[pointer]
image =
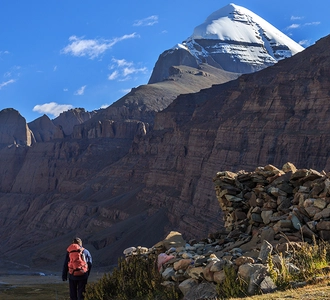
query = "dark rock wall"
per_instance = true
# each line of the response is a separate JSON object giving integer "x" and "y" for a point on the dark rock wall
{"x": 44, "y": 130}
{"x": 14, "y": 130}
{"x": 116, "y": 194}
{"x": 172, "y": 57}
{"x": 67, "y": 120}
{"x": 277, "y": 115}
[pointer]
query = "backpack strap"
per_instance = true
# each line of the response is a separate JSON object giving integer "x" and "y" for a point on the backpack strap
{"x": 78, "y": 250}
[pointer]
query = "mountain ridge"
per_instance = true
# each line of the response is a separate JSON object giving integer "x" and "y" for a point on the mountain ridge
{"x": 116, "y": 192}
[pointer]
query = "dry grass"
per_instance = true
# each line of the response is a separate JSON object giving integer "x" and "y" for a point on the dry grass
{"x": 61, "y": 291}
{"x": 22, "y": 287}
{"x": 311, "y": 292}
{"x": 35, "y": 292}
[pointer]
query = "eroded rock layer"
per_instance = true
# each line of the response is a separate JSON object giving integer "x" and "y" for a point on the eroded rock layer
{"x": 121, "y": 183}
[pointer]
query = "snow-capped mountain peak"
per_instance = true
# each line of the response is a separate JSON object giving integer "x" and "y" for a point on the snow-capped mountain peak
{"x": 236, "y": 23}
{"x": 235, "y": 39}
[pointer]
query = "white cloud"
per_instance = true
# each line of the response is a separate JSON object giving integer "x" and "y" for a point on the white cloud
{"x": 3, "y": 84}
{"x": 113, "y": 75}
{"x": 132, "y": 70}
{"x": 14, "y": 71}
{"x": 312, "y": 23}
{"x": 65, "y": 90}
{"x": 122, "y": 62}
{"x": 123, "y": 69}
{"x": 104, "y": 106}
{"x": 55, "y": 68}
{"x": 52, "y": 108}
{"x": 4, "y": 52}
{"x": 80, "y": 91}
{"x": 304, "y": 42}
{"x": 149, "y": 21}
{"x": 79, "y": 46}
{"x": 293, "y": 26}
{"x": 296, "y": 18}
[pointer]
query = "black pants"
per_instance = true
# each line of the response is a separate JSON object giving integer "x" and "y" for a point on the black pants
{"x": 77, "y": 288}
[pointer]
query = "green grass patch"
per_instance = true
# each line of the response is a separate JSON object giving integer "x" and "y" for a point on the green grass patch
{"x": 136, "y": 277}
{"x": 35, "y": 292}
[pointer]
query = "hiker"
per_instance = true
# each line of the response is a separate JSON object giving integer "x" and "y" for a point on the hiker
{"x": 78, "y": 262}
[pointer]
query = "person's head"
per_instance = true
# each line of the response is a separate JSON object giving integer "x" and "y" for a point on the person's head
{"x": 77, "y": 240}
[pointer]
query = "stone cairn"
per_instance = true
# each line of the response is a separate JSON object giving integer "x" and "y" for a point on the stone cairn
{"x": 266, "y": 212}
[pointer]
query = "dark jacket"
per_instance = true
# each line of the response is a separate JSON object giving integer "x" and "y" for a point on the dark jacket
{"x": 66, "y": 267}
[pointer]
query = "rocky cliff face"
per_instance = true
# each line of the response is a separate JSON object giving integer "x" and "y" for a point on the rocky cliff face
{"x": 270, "y": 117}
{"x": 14, "y": 130}
{"x": 134, "y": 113}
{"x": 45, "y": 130}
{"x": 68, "y": 119}
{"x": 119, "y": 191}
{"x": 72, "y": 181}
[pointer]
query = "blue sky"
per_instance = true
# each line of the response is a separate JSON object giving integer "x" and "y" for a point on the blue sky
{"x": 60, "y": 54}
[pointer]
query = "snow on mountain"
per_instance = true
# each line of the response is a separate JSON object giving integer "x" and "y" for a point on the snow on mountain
{"x": 232, "y": 38}
{"x": 235, "y": 23}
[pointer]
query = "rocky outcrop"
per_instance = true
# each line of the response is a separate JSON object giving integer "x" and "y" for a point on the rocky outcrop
{"x": 126, "y": 129}
{"x": 14, "y": 154}
{"x": 269, "y": 117}
{"x": 268, "y": 214}
{"x": 68, "y": 119}
{"x": 44, "y": 130}
{"x": 195, "y": 268}
{"x": 274, "y": 201}
{"x": 168, "y": 59}
{"x": 14, "y": 130}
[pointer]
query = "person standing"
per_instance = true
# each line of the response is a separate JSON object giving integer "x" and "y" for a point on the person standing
{"x": 78, "y": 263}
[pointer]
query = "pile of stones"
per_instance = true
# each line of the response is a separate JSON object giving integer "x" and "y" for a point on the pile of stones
{"x": 290, "y": 201}
{"x": 267, "y": 213}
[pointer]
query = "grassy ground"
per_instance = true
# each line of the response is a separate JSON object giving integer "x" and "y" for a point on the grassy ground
{"x": 52, "y": 287}
{"x": 313, "y": 292}
{"x": 60, "y": 291}
{"x": 35, "y": 292}
{"x": 36, "y": 287}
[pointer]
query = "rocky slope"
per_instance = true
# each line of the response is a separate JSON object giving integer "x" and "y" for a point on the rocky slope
{"x": 52, "y": 189}
{"x": 14, "y": 130}
{"x": 271, "y": 214}
{"x": 135, "y": 112}
{"x": 67, "y": 120}
{"x": 115, "y": 194}
{"x": 273, "y": 116}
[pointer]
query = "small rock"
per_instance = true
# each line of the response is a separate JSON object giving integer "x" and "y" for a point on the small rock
{"x": 265, "y": 250}
{"x": 268, "y": 285}
{"x": 186, "y": 285}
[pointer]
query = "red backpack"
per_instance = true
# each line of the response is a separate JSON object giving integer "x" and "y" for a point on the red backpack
{"x": 77, "y": 261}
